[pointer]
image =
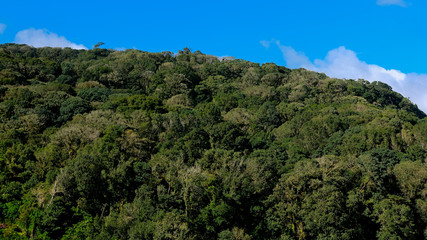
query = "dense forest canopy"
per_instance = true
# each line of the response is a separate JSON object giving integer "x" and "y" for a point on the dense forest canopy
{"x": 104, "y": 144}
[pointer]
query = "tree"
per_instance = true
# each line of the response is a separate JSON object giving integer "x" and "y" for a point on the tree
{"x": 98, "y": 44}
{"x": 71, "y": 107}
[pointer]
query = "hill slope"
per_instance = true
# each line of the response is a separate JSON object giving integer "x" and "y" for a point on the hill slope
{"x": 104, "y": 144}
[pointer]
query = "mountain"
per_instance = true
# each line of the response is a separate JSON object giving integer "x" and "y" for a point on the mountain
{"x": 105, "y": 144}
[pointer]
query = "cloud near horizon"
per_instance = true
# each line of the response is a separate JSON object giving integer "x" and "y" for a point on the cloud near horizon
{"x": 266, "y": 43}
{"x": 44, "y": 38}
{"x": 344, "y": 63}
{"x": 2, "y": 28}
{"x": 401, "y": 3}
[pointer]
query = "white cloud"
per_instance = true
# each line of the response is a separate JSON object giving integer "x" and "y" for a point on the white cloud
{"x": 414, "y": 86}
{"x": 344, "y": 63}
{"x": 2, "y": 28}
{"x": 44, "y": 38}
{"x": 293, "y": 58}
{"x": 401, "y": 3}
{"x": 266, "y": 43}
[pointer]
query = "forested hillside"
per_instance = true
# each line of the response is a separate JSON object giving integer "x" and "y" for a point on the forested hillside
{"x": 104, "y": 144}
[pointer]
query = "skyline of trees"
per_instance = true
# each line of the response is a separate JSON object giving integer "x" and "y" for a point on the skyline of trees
{"x": 104, "y": 144}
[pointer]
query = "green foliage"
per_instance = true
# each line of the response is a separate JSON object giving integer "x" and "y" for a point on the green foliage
{"x": 94, "y": 94}
{"x": 71, "y": 107}
{"x": 104, "y": 144}
{"x": 128, "y": 104}
{"x": 395, "y": 218}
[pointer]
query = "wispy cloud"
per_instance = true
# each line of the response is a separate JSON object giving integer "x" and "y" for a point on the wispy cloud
{"x": 344, "y": 63}
{"x": 2, "y": 28}
{"x": 401, "y": 3}
{"x": 293, "y": 58}
{"x": 44, "y": 38}
{"x": 267, "y": 43}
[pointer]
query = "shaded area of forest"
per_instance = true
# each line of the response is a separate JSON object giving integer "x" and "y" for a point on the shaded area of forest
{"x": 104, "y": 144}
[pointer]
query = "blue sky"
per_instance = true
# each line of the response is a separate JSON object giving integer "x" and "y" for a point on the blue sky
{"x": 381, "y": 40}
